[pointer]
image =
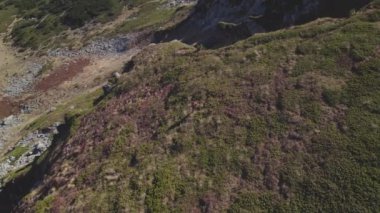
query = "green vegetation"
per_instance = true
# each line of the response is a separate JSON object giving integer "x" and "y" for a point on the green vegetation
{"x": 17, "y": 152}
{"x": 281, "y": 122}
{"x": 295, "y": 155}
{"x": 33, "y": 33}
{"x": 44, "y": 20}
{"x": 260, "y": 112}
{"x": 6, "y": 17}
{"x": 81, "y": 11}
{"x": 331, "y": 97}
{"x": 78, "y": 106}
{"x": 74, "y": 13}
{"x": 251, "y": 202}
{"x": 43, "y": 206}
{"x": 163, "y": 186}
{"x": 43, "y": 23}
{"x": 151, "y": 14}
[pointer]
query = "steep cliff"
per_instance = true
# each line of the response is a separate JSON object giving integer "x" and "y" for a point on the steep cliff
{"x": 216, "y": 23}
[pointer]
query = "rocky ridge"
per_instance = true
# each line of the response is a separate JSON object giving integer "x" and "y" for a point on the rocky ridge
{"x": 34, "y": 143}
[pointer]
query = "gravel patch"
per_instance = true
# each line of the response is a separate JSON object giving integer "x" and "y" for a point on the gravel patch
{"x": 100, "y": 47}
{"x": 21, "y": 83}
{"x": 6, "y": 126}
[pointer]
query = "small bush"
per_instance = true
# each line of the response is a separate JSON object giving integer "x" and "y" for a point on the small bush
{"x": 331, "y": 97}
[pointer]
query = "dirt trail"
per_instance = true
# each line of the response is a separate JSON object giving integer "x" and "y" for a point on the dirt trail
{"x": 62, "y": 83}
{"x": 62, "y": 74}
{"x": 7, "y": 107}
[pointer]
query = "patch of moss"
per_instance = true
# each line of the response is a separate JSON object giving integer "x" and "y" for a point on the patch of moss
{"x": 79, "y": 105}
{"x": 256, "y": 131}
{"x": 251, "y": 202}
{"x": 331, "y": 97}
{"x": 44, "y": 205}
{"x": 151, "y": 14}
{"x": 17, "y": 152}
{"x": 7, "y": 14}
{"x": 163, "y": 187}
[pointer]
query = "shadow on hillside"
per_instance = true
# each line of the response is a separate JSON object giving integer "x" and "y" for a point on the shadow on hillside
{"x": 15, "y": 190}
{"x": 212, "y": 28}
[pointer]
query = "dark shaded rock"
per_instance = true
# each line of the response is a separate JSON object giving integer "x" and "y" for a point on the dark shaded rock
{"x": 247, "y": 17}
{"x": 107, "y": 88}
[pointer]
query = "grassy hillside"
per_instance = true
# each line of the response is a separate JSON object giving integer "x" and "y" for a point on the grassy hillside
{"x": 6, "y": 17}
{"x": 287, "y": 121}
{"x": 41, "y": 24}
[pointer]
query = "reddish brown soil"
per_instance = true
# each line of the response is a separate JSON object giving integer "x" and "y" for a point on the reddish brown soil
{"x": 7, "y": 107}
{"x": 62, "y": 74}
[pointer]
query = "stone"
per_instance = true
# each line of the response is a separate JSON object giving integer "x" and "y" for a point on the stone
{"x": 52, "y": 109}
{"x": 107, "y": 88}
{"x": 10, "y": 120}
{"x": 295, "y": 136}
{"x": 116, "y": 75}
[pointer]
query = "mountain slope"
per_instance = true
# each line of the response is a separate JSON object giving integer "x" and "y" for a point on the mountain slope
{"x": 49, "y": 69}
{"x": 285, "y": 121}
{"x": 43, "y": 25}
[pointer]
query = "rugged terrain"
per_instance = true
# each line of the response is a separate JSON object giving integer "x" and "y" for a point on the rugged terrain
{"x": 216, "y": 23}
{"x": 50, "y": 68}
{"x": 282, "y": 121}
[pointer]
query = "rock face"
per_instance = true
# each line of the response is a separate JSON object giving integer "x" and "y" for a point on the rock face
{"x": 34, "y": 145}
{"x": 279, "y": 14}
{"x": 215, "y": 23}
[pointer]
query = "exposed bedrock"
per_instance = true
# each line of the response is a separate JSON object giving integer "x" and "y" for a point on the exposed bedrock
{"x": 215, "y": 23}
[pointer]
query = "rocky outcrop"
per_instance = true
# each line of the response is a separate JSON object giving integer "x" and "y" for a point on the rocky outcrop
{"x": 34, "y": 144}
{"x": 215, "y": 23}
{"x": 177, "y": 3}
